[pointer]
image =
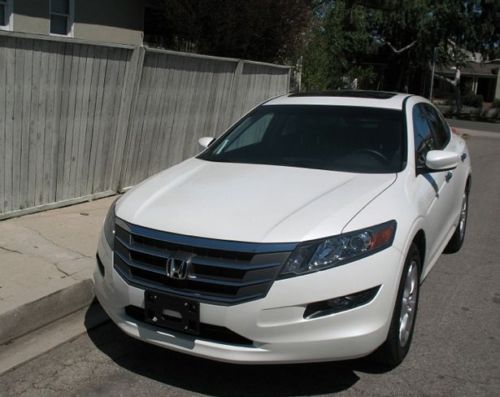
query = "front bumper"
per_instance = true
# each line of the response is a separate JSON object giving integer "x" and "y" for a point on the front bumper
{"x": 275, "y": 323}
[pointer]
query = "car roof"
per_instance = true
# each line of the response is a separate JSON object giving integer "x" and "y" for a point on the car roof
{"x": 373, "y": 99}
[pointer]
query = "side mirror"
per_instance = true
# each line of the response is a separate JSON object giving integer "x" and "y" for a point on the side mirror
{"x": 441, "y": 160}
{"x": 205, "y": 141}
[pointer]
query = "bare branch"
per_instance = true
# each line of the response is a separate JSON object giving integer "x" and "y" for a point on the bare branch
{"x": 405, "y": 48}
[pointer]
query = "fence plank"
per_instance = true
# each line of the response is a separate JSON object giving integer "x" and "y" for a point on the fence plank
{"x": 3, "y": 106}
{"x": 18, "y": 123}
{"x": 10, "y": 46}
{"x": 91, "y": 121}
{"x": 62, "y": 124}
{"x": 105, "y": 130}
{"x": 25, "y": 124}
{"x": 133, "y": 68}
{"x": 82, "y": 120}
{"x": 97, "y": 127}
{"x": 33, "y": 133}
{"x": 135, "y": 149}
{"x": 68, "y": 132}
{"x": 113, "y": 91}
{"x": 162, "y": 134}
{"x": 76, "y": 106}
{"x": 41, "y": 74}
{"x": 53, "y": 116}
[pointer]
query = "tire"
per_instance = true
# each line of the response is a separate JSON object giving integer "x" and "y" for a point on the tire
{"x": 457, "y": 240}
{"x": 399, "y": 338}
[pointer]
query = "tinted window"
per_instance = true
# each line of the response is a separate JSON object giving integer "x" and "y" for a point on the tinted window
{"x": 3, "y": 14}
{"x": 60, "y": 17}
{"x": 250, "y": 132}
{"x": 438, "y": 126}
{"x": 340, "y": 138}
{"x": 424, "y": 140}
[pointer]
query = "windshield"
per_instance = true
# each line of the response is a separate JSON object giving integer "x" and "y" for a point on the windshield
{"x": 337, "y": 138}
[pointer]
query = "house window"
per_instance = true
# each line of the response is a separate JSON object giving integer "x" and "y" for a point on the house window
{"x": 6, "y": 14}
{"x": 61, "y": 17}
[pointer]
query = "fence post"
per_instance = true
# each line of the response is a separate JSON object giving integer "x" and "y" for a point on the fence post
{"x": 130, "y": 88}
{"x": 233, "y": 91}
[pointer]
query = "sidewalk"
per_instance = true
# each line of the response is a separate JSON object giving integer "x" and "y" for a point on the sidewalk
{"x": 46, "y": 264}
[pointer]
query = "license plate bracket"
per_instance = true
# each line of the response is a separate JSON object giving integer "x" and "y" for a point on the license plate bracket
{"x": 172, "y": 312}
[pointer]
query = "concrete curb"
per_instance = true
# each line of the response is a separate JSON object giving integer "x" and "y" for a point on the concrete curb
{"x": 43, "y": 340}
{"x": 36, "y": 314}
{"x": 478, "y": 134}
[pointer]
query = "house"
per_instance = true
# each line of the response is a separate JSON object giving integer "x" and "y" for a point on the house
{"x": 109, "y": 21}
{"x": 476, "y": 78}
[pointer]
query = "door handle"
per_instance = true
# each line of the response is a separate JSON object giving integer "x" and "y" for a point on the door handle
{"x": 463, "y": 157}
{"x": 448, "y": 176}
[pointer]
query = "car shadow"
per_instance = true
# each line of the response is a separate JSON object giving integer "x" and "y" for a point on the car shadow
{"x": 221, "y": 379}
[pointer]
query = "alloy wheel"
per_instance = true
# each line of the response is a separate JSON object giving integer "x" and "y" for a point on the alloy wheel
{"x": 408, "y": 304}
{"x": 463, "y": 217}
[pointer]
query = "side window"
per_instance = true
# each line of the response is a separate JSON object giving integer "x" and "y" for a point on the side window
{"x": 438, "y": 126}
{"x": 251, "y": 134}
{"x": 5, "y": 14}
{"x": 424, "y": 140}
{"x": 61, "y": 17}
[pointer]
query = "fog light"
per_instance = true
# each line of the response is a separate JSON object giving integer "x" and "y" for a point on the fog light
{"x": 340, "y": 304}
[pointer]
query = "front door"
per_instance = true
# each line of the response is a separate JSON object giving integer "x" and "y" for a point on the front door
{"x": 434, "y": 194}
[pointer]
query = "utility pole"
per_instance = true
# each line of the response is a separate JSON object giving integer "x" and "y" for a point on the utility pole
{"x": 298, "y": 73}
{"x": 433, "y": 72}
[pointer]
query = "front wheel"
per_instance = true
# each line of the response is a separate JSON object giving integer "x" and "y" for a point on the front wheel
{"x": 398, "y": 341}
{"x": 457, "y": 240}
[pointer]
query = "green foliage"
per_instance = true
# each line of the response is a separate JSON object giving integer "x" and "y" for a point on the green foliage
{"x": 393, "y": 42}
{"x": 336, "y": 46}
{"x": 317, "y": 63}
{"x": 473, "y": 100}
{"x": 496, "y": 103}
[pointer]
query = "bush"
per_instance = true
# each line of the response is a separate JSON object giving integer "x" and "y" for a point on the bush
{"x": 473, "y": 100}
{"x": 450, "y": 100}
{"x": 496, "y": 103}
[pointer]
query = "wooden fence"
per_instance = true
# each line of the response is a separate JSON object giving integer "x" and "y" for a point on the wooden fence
{"x": 81, "y": 120}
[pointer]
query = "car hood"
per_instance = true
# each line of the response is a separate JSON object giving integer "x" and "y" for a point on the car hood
{"x": 250, "y": 202}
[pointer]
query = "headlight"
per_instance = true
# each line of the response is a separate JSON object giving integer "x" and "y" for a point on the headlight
{"x": 334, "y": 251}
{"x": 109, "y": 225}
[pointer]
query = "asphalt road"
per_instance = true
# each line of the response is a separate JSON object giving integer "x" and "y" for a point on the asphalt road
{"x": 455, "y": 351}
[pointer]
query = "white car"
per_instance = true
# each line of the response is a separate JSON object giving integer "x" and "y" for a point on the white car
{"x": 301, "y": 234}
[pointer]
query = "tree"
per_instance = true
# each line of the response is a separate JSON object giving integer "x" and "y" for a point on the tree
{"x": 267, "y": 30}
{"x": 395, "y": 40}
{"x": 338, "y": 43}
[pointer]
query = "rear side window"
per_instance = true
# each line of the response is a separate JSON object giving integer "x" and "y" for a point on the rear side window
{"x": 438, "y": 126}
{"x": 424, "y": 139}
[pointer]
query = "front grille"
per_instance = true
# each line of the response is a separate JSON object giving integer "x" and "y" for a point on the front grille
{"x": 208, "y": 332}
{"x": 221, "y": 272}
